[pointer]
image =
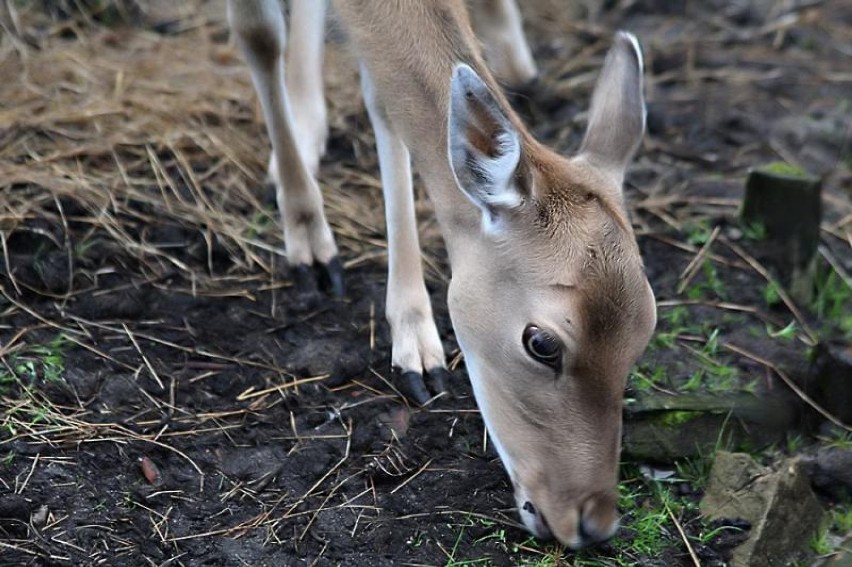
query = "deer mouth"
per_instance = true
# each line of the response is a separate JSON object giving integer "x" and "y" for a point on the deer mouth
{"x": 575, "y": 527}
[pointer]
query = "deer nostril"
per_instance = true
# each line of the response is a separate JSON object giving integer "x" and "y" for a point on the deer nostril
{"x": 594, "y": 529}
{"x": 537, "y": 525}
{"x": 585, "y": 536}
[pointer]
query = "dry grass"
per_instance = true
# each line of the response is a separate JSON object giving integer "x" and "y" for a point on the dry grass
{"x": 141, "y": 131}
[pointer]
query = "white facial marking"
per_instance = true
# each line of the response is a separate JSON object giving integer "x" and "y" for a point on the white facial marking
{"x": 484, "y": 410}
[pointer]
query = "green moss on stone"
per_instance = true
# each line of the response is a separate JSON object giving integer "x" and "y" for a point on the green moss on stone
{"x": 785, "y": 169}
{"x": 675, "y": 418}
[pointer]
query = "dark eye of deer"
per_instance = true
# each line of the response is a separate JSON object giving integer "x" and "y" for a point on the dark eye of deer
{"x": 542, "y": 346}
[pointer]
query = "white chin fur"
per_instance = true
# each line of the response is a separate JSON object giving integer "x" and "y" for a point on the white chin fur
{"x": 478, "y": 386}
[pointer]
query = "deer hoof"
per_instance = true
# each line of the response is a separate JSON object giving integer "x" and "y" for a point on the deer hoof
{"x": 436, "y": 380}
{"x": 304, "y": 280}
{"x": 412, "y": 385}
{"x": 330, "y": 277}
{"x": 310, "y": 280}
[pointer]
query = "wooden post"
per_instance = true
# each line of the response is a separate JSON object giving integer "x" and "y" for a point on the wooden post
{"x": 785, "y": 201}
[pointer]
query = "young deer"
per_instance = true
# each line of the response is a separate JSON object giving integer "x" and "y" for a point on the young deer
{"x": 548, "y": 298}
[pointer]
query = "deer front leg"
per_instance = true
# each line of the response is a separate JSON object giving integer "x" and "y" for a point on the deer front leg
{"x": 258, "y": 26}
{"x": 498, "y": 24}
{"x": 305, "y": 46}
{"x": 416, "y": 344}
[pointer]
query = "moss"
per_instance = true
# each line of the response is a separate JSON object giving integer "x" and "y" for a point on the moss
{"x": 785, "y": 169}
{"x": 675, "y": 418}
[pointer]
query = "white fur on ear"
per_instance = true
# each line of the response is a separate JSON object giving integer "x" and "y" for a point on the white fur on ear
{"x": 637, "y": 50}
{"x": 483, "y": 147}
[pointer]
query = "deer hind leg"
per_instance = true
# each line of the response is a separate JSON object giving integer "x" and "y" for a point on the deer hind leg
{"x": 303, "y": 77}
{"x": 498, "y": 24}
{"x": 416, "y": 344}
{"x": 258, "y": 26}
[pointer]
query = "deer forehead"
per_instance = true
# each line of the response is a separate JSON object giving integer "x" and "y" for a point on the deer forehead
{"x": 573, "y": 237}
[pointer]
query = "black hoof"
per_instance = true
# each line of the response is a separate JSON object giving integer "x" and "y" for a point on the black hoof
{"x": 423, "y": 389}
{"x": 331, "y": 277}
{"x": 411, "y": 386}
{"x": 304, "y": 279}
{"x": 308, "y": 281}
{"x": 436, "y": 380}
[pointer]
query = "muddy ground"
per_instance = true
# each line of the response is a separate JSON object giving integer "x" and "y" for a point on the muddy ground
{"x": 168, "y": 400}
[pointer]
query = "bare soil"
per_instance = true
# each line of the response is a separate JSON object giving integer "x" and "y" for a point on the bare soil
{"x": 168, "y": 399}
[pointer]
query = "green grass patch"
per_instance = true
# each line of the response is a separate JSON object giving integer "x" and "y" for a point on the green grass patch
{"x": 709, "y": 286}
{"x": 786, "y": 334}
{"x": 20, "y": 376}
{"x": 838, "y": 439}
{"x": 833, "y": 530}
{"x": 698, "y": 233}
{"x": 833, "y": 300}
{"x": 644, "y": 506}
{"x": 45, "y": 362}
{"x": 644, "y": 379}
{"x": 754, "y": 231}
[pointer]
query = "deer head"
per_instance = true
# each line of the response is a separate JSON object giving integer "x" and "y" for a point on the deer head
{"x": 549, "y": 299}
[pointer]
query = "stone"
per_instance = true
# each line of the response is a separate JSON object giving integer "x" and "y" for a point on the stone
{"x": 778, "y": 502}
{"x": 843, "y": 557}
{"x": 830, "y": 470}
{"x": 830, "y": 379}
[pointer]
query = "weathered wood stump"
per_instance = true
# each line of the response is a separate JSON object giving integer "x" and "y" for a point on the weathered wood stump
{"x": 668, "y": 428}
{"x": 785, "y": 201}
{"x": 830, "y": 380}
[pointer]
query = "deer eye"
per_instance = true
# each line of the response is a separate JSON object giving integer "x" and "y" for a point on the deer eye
{"x": 542, "y": 346}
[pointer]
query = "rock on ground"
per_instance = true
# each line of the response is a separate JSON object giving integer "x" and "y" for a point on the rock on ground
{"x": 778, "y": 502}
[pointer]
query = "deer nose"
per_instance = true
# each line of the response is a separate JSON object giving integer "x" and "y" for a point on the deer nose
{"x": 594, "y": 522}
{"x": 598, "y": 519}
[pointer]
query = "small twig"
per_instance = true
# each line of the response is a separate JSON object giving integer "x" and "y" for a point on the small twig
{"x": 23, "y": 486}
{"x": 249, "y": 393}
{"x": 782, "y": 293}
{"x": 693, "y": 250}
{"x": 790, "y": 384}
{"x": 322, "y": 505}
{"x": 838, "y": 268}
{"x": 5, "y": 545}
{"x": 144, "y": 358}
{"x": 412, "y": 477}
{"x": 692, "y": 554}
{"x": 724, "y": 306}
{"x": 198, "y": 351}
{"x": 693, "y": 266}
{"x": 477, "y": 515}
{"x": 69, "y": 253}
{"x": 328, "y": 473}
{"x": 35, "y": 314}
{"x": 9, "y": 271}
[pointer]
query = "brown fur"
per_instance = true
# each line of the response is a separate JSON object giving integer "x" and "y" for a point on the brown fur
{"x": 566, "y": 257}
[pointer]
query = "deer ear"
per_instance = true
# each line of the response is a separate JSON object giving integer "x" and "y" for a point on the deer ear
{"x": 484, "y": 148}
{"x": 617, "y": 113}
